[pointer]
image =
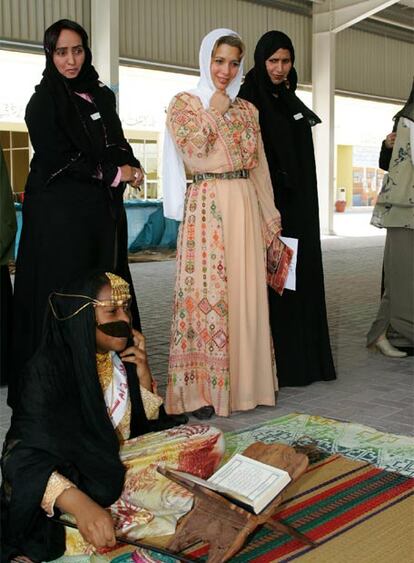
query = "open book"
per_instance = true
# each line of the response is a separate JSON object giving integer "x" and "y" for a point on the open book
{"x": 245, "y": 481}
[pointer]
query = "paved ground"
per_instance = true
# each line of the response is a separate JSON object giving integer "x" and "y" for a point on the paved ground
{"x": 370, "y": 389}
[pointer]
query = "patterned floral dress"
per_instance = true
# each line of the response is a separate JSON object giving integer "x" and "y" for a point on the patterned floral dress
{"x": 221, "y": 352}
{"x": 150, "y": 504}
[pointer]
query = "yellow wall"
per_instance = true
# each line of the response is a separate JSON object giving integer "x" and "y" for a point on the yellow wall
{"x": 344, "y": 171}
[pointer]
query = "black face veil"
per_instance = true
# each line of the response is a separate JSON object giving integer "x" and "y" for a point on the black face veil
{"x": 117, "y": 329}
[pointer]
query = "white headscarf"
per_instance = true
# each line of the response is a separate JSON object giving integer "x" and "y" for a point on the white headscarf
{"x": 174, "y": 181}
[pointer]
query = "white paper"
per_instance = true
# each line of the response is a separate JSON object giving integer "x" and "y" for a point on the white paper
{"x": 291, "y": 277}
{"x": 247, "y": 477}
{"x": 246, "y": 480}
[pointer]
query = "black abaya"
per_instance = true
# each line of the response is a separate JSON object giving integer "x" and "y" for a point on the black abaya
{"x": 73, "y": 221}
{"x": 61, "y": 423}
{"x": 298, "y": 318}
{"x": 6, "y": 300}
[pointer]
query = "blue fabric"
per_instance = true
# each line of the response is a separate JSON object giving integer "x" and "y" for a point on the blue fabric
{"x": 147, "y": 226}
{"x": 169, "y": 238}
{"x": 137, "y": 218}
{"x": 151, "y": 233}
{"x": 19, "y": 217}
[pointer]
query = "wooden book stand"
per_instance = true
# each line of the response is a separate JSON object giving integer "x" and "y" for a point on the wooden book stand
{"x": 225, "y": 526}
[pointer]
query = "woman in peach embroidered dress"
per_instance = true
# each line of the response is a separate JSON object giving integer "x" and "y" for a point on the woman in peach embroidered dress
{"x": 221, "y": 354}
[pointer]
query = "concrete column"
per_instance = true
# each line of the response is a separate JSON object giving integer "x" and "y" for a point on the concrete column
{"x": 329, "y": 18}
{"x": 323, "y": 90}
{"x": 105, "y": 41}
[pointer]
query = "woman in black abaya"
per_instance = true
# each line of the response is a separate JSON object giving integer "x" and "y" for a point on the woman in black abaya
{"x": 73, "y": 214}
{"x": 88, "y": 434}
{"x": 298, "y": 318}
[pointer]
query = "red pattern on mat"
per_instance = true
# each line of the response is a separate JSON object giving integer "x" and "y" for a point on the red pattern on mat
{"x": 362, "y": 493}
{"x": 332, "y": 491}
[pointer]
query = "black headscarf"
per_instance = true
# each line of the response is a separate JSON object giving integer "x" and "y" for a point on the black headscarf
{"x": 87, "y": 81}
{"x": 408, "y": 109}
{"x": 271, "y": 100}
{"x": 61, "y": 423}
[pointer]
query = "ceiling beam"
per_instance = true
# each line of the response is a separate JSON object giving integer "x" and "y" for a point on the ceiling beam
{"x": 395, "y": 23}
{"x": 337, "y": 15}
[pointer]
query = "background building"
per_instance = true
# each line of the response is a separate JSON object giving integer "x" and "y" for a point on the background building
{"x": 359, "y": 56}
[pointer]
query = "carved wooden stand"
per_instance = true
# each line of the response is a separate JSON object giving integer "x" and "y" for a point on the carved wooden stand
{"x": 225, "y": 526}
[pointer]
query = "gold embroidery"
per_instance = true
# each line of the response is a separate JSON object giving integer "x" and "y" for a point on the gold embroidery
{"x": 55, "y": 487}
{"x": 123, "y": 430}
{"x": 151, "y": 403}
{"x": 105, "y": 369}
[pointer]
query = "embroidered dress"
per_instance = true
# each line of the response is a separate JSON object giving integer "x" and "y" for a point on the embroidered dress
{"x": 220, "y": 352}
{"x": 150, "y": 504}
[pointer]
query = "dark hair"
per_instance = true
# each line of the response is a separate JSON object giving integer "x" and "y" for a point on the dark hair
{"x": 66, "y": 358}
{"x": 407, "y": 110}
{"x": 52, "y": 33}
{"x": 232, "y": 41}
{"x": 71, "y": 343}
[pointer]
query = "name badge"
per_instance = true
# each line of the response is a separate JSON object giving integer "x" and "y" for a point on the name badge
{"x": 297, "y": 116}
{"x": 96, "y": 116}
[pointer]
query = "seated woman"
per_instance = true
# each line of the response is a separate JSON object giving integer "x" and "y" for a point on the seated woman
{"x": 76, "y": 441}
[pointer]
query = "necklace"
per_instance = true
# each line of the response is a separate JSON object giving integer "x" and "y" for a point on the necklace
{"x": 105, "y": 369}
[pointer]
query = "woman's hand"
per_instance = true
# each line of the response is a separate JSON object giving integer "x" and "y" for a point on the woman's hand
{"x": 390, "y": 140}
{"x": 220, "y": 101}
{"x": 137, "y": 355}
{"x": 94, "y": 522}
{"x": 134, "y": 176}
{"x": 95, "y": 525}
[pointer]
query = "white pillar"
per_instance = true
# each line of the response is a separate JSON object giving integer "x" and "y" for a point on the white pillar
{"x": 323, "y": 98}
{"x": 105, "y": 41}
{"x": 329, "y": 18}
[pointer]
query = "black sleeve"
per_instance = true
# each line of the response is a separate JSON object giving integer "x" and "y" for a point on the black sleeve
{"x": 119, "y": 151}
{"x": 54, "y": 152}
{"x": 385, "y": 157}
{"x": 29, "y": 457}
{"x": 48, "y": 432}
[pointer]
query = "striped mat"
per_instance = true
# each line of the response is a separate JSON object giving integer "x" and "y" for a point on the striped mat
{"x": 332, "y": 501}
{"x": 354, "y": 511}
{"x": 358, "y": 508}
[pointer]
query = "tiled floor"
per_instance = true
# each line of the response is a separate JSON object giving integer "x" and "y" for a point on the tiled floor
{"x": 370, "y": 389}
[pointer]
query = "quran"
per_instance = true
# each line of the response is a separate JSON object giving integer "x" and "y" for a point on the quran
{"x": 247, "y": 482}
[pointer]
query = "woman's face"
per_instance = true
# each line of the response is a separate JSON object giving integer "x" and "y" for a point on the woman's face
{"x": 224, "y": 65}
{"x": 110, "y": 314}
{"x": 278, "y": 65}
{"x": 69, "y": 54}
